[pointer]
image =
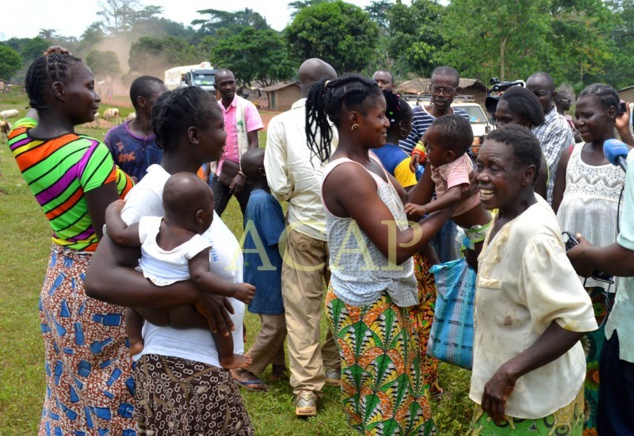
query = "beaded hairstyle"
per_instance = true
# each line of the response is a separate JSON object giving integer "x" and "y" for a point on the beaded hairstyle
{"x": 330, "y": 99}
{"x": 396, "y": 108}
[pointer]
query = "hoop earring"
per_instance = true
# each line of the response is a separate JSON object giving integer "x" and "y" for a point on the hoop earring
{"x": 355, "y": 126}
{"x": 403, "y": 132}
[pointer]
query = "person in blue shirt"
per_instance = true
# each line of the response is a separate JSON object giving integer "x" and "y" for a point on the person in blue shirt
{"x": 264, "y": 227}
{"x": 133, "y": 143}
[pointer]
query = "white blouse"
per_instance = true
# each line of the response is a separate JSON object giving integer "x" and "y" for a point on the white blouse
{"x": 524, "y": 283}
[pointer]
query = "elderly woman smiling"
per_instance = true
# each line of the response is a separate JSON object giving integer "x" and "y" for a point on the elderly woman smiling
{"x": 530, "y": 309}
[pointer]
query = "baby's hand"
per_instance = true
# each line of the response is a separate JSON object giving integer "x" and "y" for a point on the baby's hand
{"x": 244, "y": 292}
{"x": 414, "y": 210}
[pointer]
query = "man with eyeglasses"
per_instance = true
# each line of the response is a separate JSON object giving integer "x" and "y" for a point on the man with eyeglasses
{"x": 445, "y": 84}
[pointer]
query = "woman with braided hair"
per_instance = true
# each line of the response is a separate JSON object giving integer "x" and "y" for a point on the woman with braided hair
{"x": 89, "y": 387}
{"x": 373, "y": 286}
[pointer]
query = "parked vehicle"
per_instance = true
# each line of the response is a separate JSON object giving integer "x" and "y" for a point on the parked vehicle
{"x": 203, "y": 75}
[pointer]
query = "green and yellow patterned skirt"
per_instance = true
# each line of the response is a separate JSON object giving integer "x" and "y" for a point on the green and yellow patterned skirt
{"x": 383, "y": 387}
{"x": 567, "y": 421}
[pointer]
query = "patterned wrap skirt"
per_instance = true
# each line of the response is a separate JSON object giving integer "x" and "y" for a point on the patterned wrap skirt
{"x": 422, "y": 316}
{"x": 89, "y": 384}
{"x": 181, "y": 397}
{"x": 383, "y": 387}
{"x": 567, "y": 421}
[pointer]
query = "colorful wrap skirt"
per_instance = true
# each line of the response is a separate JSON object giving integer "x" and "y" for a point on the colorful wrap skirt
{"x": 567, "y": 421}
{"x": 422, "y": 316}
{"x": 181, "y": 397}
{"x": 89, "y": 384}
{"x": 382, "y": 384}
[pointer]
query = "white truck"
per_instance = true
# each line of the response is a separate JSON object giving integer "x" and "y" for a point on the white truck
{"x": 203, "y": 75}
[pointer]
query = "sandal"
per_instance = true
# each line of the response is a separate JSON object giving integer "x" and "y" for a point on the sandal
{"x": 251, "y": 384}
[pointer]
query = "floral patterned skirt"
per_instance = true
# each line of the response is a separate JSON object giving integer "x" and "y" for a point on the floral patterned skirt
{"x": 383, "y": 386}
{"x": 567, "y": 421}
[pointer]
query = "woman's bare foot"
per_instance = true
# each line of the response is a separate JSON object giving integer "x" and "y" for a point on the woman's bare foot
{"x": 235, "y": 361}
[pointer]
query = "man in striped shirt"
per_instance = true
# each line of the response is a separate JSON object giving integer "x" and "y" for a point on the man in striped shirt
{"x": 445, "y": 84}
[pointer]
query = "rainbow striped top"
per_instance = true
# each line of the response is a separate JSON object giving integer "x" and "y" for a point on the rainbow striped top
{"x": 59, "y": 171}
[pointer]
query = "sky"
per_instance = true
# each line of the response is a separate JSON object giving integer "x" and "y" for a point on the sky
{"x": 72, "y": 17}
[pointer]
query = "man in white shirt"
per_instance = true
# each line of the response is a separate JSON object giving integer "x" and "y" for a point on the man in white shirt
{"x": 554, "y": 134}
{"x": 294, "y": 175}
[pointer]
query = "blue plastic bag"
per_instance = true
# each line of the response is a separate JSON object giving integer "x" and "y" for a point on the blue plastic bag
{"x": 451, "y": 336}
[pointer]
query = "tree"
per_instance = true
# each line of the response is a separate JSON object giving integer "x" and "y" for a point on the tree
{"x": 378, "y": 11}
{"x": 229, "y": 23}
{"x": 10, "y": 61}
{"x": 503, "y": 38}
{"x": 254, "y": 55}
{"x": 298, "y": 5}
{"x": 154, "y": 55}
{"x": 28, "y": 48}
{"x": 414, "y": 36}
{"x": 339, "y": 33}
{"x": 103, "y": 62}
{"x": 588, "y": 23}
{"x": 618, "y": 71}
{"x": 48, "y": 34}
{"x": 118, "y": 15}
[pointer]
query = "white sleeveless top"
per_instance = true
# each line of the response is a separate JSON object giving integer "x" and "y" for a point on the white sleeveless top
{"x": 359, "y": 271}
{"x": 589, "y": 204}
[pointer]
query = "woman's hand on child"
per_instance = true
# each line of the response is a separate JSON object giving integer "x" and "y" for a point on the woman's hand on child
{"x": 244, "y": 292}
{"x": 216, "y": 310}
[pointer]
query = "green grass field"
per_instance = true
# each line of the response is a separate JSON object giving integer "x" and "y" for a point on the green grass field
{"x": 24, "y": 251}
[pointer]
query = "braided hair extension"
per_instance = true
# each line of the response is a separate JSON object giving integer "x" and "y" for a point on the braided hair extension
{"x": 175, "y": 111}
{"x": 605, "y": 93}
{"x": 330, "y": 100}
{"x": 43, "y": 72}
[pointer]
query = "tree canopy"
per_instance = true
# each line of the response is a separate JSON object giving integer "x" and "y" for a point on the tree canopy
{"x": 577, "y": 41}
{"x": 254, "y": 55}
{"x": 339, "y": 33}
{"x": 10, "y": 61}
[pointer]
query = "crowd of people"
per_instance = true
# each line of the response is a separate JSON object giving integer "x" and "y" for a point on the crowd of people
{"x": 145, "y": 294}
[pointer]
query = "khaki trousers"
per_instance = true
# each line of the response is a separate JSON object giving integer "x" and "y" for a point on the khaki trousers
{"x": 268, "y": 347}
{"x": 304, "y": 278}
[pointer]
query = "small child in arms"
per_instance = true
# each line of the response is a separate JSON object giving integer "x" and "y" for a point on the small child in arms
{"x": 173, "y": 249}
{"x": 447, "y": 141}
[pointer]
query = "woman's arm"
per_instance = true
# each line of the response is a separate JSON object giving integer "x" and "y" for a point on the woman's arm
{"x": 622, "y": 124}
{"x": 423, "y": 191}
{"x": 552, "y": 344}
{"x": 350, "y": 191}
{"x": 560, "y": 181}
{"x": 97, "y": 200}
{"x": 108, "y": 281}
